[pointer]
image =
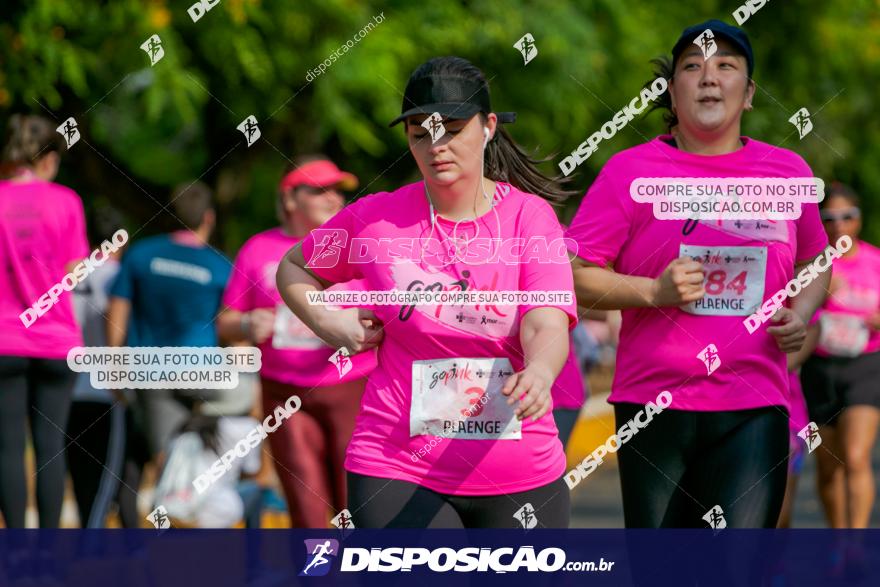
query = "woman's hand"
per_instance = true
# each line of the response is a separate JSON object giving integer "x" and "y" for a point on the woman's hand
{"x": 790, "y": 330}
{"x": 531, "y": 387}
{"x": 258, "y": 324}
{"x": 680, "y": 283}
{"x": 356, "y": 329}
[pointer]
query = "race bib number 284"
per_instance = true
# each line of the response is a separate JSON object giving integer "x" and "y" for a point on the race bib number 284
{"x": 734, "y": 279}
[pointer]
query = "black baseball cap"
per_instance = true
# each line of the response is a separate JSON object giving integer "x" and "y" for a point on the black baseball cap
{"x": 451, "y": 96}
{"x": 734, "y": 35}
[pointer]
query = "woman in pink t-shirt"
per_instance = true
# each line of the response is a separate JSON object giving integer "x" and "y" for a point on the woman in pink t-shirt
{"x": 455, "y": 426}
{"x": 309, "y": 449}
{"x": 840, "y": 380}
{"x": 42, "y": 239}
{"x": 717, "y": 452}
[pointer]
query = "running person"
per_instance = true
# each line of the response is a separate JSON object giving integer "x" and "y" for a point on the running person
{"x": 841, "y": 379}
{"x": 440, "y": 441}
{"x": 724, "y": 439}
{"x": 309, "y": 449}
{"x": 42, "y": 238}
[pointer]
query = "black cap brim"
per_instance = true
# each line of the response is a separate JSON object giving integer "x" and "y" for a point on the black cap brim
{"x": 734, "y": 35}
{"x": 460, "y": 111}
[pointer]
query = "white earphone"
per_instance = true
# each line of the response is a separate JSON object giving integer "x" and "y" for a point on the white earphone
{"x": 485, "y": 134}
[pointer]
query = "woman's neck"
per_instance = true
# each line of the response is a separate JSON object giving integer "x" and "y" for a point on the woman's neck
{"x": 296, "y": 227}
{"x": 461, "y": 199}
{"x": 24, "y": 174}
{"x": 727, "y": 142}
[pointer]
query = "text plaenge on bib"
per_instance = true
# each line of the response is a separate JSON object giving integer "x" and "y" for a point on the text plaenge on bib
{"x": 462, "y": 398}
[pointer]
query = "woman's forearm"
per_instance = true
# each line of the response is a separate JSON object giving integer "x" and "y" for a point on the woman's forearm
{"x": 812, "y": 296}
{"x": 294, "y": 282}
{"x": 544, "y": 339}
{"x": 598, "y": 288}
{"x": 229, "y": 326}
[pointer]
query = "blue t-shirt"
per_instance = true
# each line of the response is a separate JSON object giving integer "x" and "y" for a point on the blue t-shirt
{"x": 174, "y": 290}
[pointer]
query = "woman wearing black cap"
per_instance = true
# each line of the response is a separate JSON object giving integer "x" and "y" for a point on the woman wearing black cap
{"x": 718, "y": 451}
{"x": 455, "y": 426}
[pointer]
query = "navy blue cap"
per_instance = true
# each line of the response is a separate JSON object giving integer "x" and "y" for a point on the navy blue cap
{"x": 734, "y": 35}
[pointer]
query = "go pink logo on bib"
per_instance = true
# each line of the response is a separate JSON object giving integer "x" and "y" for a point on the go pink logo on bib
{"x": 329, "y": 243}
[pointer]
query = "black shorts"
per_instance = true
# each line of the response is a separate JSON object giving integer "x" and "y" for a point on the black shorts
{"x": 832, "y": 384}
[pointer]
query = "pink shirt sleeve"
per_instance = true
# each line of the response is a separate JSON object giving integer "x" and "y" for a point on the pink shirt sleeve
{"x": 326, "y": 249}
{"x": 546, "y": 274}
{"x": 603, "y": 220}
{"x": 239, "y": 288}
{"x": 811, "y": 236}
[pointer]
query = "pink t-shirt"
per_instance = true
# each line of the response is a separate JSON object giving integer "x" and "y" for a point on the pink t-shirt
{"x": 385, "y": 442}
{"x": 293, "y": 354}
{"x": 659, "y": 347}
{"x": 42, "y": 229}
{"x": 855, "y": 296}
{"x": 568, "y": 390}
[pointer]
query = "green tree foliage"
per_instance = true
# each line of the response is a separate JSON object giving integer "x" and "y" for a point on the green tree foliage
{"x": 146, "y": 128}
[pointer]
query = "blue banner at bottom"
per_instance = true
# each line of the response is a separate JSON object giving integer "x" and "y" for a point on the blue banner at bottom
{"x": 196, "y": 558}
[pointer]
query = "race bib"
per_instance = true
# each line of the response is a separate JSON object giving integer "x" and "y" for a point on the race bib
{"x": 734, "y": 280}
{"x": 843, "y": 335}
{"x": 289, "y": 332}
{"x": 461, "y": 398}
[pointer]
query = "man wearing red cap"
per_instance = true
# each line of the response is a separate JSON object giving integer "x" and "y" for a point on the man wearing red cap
{"x": 309, "y": 448}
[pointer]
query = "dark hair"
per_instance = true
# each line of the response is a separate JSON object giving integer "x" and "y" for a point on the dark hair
{"x": 28, "y": 138}
{"x": 103, "y": 221}
{"x": 190, "y": 202}
{"x": 837, "y": 189}
{"x": 505, "y": 160}
{"x": 665, "y": 68}
{"x": 206, "y": 427}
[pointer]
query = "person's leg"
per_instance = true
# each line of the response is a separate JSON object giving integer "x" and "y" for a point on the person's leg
{"x": 163, "y": 414}
{"x": 136, "y": 456}
{"x": 390, "y": 503}
{"x": 50, "y": 386}
{"x": 88, "y": 428}
{"x": 742, "y": 467}
{"x": 830, "y": 473}
{"x": 652, "y": 463}
{"x": 252, "y": 499}
{"x": 858, "y": 428}
{"x": 824, "y": 399}
{"x": 299, "y": 451}
{"x": 565, "y": 421}
{"x": 548, "y": 506}
{"x": 111, "y": 472}
{"x": 336, "y": 408}
{"x": 13, "y": 419}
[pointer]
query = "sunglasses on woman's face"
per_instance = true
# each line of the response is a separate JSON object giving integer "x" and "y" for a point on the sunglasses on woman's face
{"x": 833, "y": 216}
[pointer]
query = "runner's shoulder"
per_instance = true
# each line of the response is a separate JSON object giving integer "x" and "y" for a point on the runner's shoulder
{"x": 788, "y": 162}
{"x": 381, "y": 205}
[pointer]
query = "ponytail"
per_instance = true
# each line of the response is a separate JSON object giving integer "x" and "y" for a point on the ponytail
{"x": 507, "y": 161}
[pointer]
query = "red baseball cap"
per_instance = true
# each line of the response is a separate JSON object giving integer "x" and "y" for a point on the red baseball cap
{"x": 319, "y": 174}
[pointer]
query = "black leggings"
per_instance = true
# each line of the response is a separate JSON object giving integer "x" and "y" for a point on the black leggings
{"x": 683, "y": 463}
{"x": 387, "y": 503}
{"x": 35, "y": 391}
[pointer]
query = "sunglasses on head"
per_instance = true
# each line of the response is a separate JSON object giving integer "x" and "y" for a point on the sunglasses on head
{"x": 831, "y": 215}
